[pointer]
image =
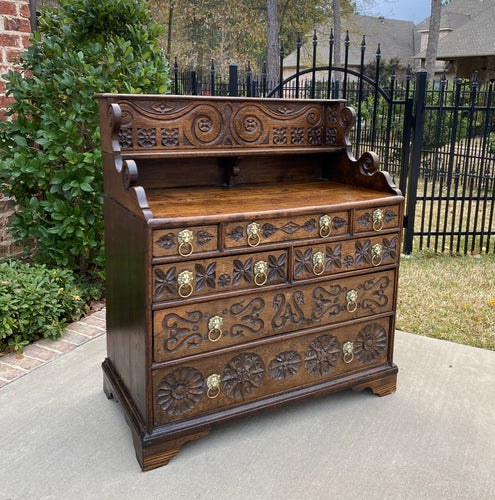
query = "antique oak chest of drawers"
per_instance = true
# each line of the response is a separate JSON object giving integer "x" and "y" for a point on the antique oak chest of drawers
{"x": 251, "y": 261}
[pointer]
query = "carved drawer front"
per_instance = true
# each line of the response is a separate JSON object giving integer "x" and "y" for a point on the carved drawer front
{"x": 196, "y": 328}
{"x": 300, "y": 227}
{"x": 232, "y": 378}
{"x": 193, "y": 278}
{"x": 349, "y": 255}
{"x": 184, "y": 241}
{"x": 376, "y": 219}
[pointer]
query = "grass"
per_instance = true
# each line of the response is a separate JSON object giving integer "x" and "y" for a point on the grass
{"x": 448, "y": 297}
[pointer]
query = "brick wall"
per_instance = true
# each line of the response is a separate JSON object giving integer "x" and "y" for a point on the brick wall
{"x": 15, "y": 29}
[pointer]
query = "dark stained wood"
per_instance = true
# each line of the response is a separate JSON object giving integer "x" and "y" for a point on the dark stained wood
{"x": 251, "y": 261}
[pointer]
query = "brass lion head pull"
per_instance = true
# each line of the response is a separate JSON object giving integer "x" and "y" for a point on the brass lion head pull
{"x": 351, "y": 299}
{"x": 325, "y": 226}
{"x": 213, "y": 385}
{"x": 376, "y": 254}
{"x": 260, "y": 272}
{"x": 348, "y": 351}
{"x": 185, "y": 238}
{"x": 184, "y": 282}
{"x": 215, "y": 325}
{"x": 253, "y": 234}
{"x": 318, "y": 263}
{"x": 377, "y": 217}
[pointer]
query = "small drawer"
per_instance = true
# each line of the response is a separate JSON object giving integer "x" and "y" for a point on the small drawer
{"x": 219, "y": 381}
{"x": 184, "y": 241}
{"x": 343, "y": 256}
{"x": 207, "y": 326}
{"x": 221, "y": 274}
{"x": 257, "y": 232}
{"x": 377, "y": 219}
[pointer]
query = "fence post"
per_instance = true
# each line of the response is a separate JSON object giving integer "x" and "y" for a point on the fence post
{"x": 417, "y": 145}
{"x": 233, "y": 85}
{"x": 194, "y": 83}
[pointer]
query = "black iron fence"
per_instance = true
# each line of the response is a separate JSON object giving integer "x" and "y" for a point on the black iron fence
{"x": 437, "y": 139}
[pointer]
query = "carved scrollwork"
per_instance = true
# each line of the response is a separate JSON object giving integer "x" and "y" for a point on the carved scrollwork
{"x": 322, "y": 355}
{"x": 370, "y": 343}
{"x": 287, "y": 312}
{"x": 180, "y": 391}
{"x": 243, "y": 375}
{"x": 327, "y": 302}
{"x": 207, "y": 127}
{"x": 379, "y": 300}
{"x": 347, "y": 117}
{"x": 285, "y": 365}
{"x": 248, "y": 317}
{"x": 182, "y": 331}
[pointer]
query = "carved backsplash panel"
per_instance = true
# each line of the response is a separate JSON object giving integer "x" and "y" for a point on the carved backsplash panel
{"x": 175, "y": 124}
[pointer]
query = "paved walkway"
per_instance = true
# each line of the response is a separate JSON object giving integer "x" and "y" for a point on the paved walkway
{"x": 433, "y": 439}
{"x": 46, "y": 350}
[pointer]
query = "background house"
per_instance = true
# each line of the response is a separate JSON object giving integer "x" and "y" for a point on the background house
{"x": 397, "y": 39}
{"x": 467, "y": 39}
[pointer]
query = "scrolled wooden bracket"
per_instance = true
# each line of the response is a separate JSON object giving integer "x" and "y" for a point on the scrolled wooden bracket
{"x": 129, "y": 174}
{"x": 368, "y": 163}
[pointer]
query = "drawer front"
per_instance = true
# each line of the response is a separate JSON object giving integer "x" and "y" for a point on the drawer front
{"x": 184, "y": 242}
{"x": 258, "y": 232}
{"x": 197, "y": 328}
{"x": 195, "y": 278}
{"x": 377, "y": 219}
{"x": 348, "y": 255}
{"x": 233, "y": 378}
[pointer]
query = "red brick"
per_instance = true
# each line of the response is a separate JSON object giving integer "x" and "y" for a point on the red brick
{"x": 12, "y": 24}
{"x": 36, "y": 351}
{"x": 88, "y": 331}
{"x": 8, "y": 8}
{"x": 74, "y": 338}
{"x": 8, "y": 372}
{"x": 94, "y": 321}
{"x": 24, "y": 10}
{"x": 26, "y": 363}
{"x": 9, "y": 40}
{"x": 58, "y": 345}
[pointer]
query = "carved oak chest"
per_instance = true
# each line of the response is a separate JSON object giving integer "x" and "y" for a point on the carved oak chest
{"x": 251, "y": 261}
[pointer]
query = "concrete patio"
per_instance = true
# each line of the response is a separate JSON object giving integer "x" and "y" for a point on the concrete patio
{"x": 434, "y": 438}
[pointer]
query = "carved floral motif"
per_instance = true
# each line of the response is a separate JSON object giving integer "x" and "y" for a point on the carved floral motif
{"x": 165, "y": 282}
{"x": 243, "y": 375}
{"x": 370, "y": 343}
{"x": 331, "y": 135}
{"x": 279, "y": 135}
{"x": 285, "y": 365}
{"x": 125, "y": 138}
{"x": 170, "y": 137}
{"x": 146, "y": 137}
{"x": 180, "y": 391}
{"x": 322, "y": 355}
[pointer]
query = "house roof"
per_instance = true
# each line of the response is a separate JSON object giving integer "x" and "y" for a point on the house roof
{"x": 474, "y": 36}
{"x": 457, "y": 13}
{"x": 397, "y": 39}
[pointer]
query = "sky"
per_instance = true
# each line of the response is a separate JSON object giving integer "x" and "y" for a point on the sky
{"x": 405, "y": 10}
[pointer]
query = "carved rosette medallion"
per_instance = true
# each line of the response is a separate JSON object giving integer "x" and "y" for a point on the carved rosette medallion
{"x": 180, "y": 391}
{"x": 322, "y": 355}
{"x": 370, "y": 343}
{"x": 285, "y": 365}
{"x": 243, "y": 375}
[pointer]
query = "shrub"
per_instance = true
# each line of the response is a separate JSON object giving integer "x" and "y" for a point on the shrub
{"x": 50, "y": 159}
{"x": 36, "y": 301}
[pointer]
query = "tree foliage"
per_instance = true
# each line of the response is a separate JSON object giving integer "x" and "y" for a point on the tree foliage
{"x": 233, "y": 31}
{"x": 50, "y": 159}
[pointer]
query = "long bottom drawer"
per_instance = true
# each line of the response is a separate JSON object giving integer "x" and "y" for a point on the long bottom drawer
{"x": 232, "y": 378}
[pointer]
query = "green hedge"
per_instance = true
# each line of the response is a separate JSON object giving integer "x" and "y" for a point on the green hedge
{"x": 37, "y": 301}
